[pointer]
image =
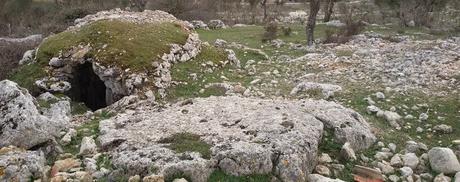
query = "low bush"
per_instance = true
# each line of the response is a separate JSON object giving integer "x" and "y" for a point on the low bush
{"x": 271, "y": 32}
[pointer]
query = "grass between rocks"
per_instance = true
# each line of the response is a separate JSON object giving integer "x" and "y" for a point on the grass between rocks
{"x": 125, "y": 44}
{"x": 441, "y": 110}
{"x": 89, "y": 129}
{"x": 187, "y": 142}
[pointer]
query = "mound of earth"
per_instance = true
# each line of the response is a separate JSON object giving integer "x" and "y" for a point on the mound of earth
{"x": 240, "y": 136}
{"x": 112, "y": 54}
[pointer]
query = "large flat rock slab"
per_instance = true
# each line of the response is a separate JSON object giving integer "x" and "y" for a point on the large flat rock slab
{"x": 246, "y": 136}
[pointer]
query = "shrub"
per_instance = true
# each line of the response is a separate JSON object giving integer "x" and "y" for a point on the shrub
{"x": 287, "y": 31}
{"x": 271, "y": 31}
{"x": 10, "y": 54}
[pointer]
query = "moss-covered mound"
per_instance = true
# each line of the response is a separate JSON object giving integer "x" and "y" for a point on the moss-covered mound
{"x": 128, "y": 56}
{"x": 122, "y": 43}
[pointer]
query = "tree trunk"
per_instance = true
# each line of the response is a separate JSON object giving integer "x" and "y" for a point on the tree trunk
{"x": 264, "y": 4}
{"x": 328, "y": 10}
{"x": 314, "y": 8}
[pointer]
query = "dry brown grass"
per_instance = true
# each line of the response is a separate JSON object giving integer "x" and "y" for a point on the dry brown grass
{"x": 10, "y": 54}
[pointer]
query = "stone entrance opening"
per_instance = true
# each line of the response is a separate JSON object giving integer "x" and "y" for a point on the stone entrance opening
{"x": 87, "y": 87}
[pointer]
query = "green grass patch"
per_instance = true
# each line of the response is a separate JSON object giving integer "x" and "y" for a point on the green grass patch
{"x": 78, "y": 108}
{"x": 87, "y": 129}
{"x": 220, "y": 176}
{"x": 442, "y": 110}
{"x": 46, "y": 103}
{"x": 187, "y": 142}
{"x": 114, "y": 42}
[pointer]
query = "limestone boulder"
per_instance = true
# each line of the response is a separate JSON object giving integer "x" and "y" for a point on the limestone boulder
{"x": 22, "y": 124}
{"x": 245, "y": 136}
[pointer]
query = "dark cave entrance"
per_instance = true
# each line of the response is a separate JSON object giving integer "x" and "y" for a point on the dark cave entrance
{"x": 88, "y": 88}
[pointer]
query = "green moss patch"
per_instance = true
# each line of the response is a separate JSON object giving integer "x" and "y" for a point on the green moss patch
{"x": 187, "y": 142}
{"x": 125, "y": 44}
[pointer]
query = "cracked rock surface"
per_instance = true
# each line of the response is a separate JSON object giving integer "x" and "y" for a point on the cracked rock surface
{"x": 246, "y": 136}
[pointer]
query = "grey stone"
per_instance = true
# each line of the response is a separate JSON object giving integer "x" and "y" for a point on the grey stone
{"x": 442, "y": 178}
{"x": 88, "y": 146}
{"x": 21, "y": 165}
{"x": 443, "y": 128}
{"x": 23, "y": 125}
{"x": 396, "y": 161}
{"x": 457, "y": 177}
{"x": 259, "y": 136}
{"x": 216, "y": 24}
{"x": 410, "y": 160}
{"x": 319, "y": 178}
{"x": 443, "y": 160}
{"x": 27, "y": 58}
{"x": 406, "y": 171}
{"x": 347, "y": 152}
{"x": 56, "y": 62}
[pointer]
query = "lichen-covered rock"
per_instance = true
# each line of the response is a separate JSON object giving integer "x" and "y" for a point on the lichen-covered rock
{"x": 21, "y": 165}
{"x": 245, "y": 136}
{"x": 22, "y": 124}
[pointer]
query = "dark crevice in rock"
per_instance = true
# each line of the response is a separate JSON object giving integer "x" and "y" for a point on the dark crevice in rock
{"x": 88, "y": 88}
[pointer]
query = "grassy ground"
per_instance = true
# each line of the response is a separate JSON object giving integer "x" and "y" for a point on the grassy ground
{"x": 441, "y": 110}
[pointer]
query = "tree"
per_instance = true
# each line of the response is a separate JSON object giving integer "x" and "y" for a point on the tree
{"x": 328, "y": 10}
{"x": 314, "y": 8}
{"x": 264, "y": 4}
{"x": 253, "y": 5}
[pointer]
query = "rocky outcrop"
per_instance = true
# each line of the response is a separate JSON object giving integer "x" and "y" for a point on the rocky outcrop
{"x": 21, "y": 165}
{"x": 245, "y": 136}
{"x": 21, "y": 123}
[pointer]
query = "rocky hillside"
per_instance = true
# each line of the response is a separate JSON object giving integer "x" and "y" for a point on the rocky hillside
{"x": 143, "y": 96}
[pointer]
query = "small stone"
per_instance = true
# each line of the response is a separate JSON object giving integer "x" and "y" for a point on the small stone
{"x": 410, "y": 160}
{"x": 380, "y": 144}
{"x": 380, "y": 95}
{"x": 88, "y": 146}
{"x": 383, "y": 155}
{"x": 445, "y": 129}
{"x": 153, "y": 178}
{"x": 406, "y": 171}
{"x": 393, "y": 178}
{"x": 56, "y": 62}
{"x": 423, "y": 117}
{"x": 426, "y": 176}
{"x": 396, "y": 161}
{"x": 441, "y": 178}
{"x": 64, "y": 165}
{"x": 385, "y": 167}
{"x": 180, "y": 180}
{"x": 323, "y": 170}
{"x": 419, "y": 130}
{"x": 347, "y": 152}
{"x": 392, "y": 147}
{"x": 136, "y": 178}
{"x": 324, "y": 158}
{"x": 372, "y": 109}
{"x": 412, "y": 146}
